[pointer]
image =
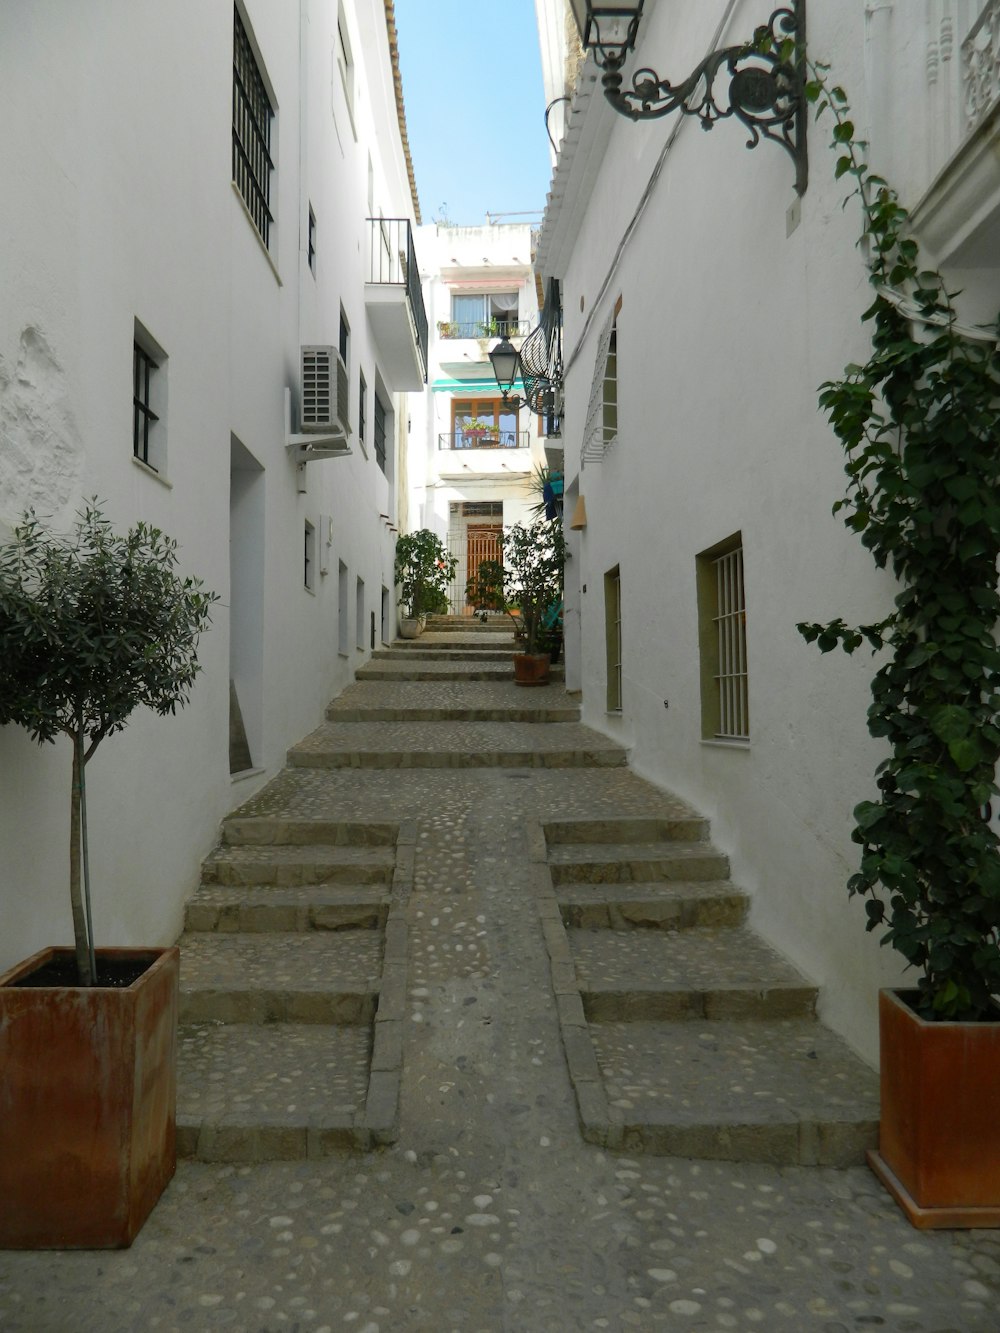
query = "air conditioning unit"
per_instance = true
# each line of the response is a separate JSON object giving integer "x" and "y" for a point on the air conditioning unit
{"x": 325, "y": 392}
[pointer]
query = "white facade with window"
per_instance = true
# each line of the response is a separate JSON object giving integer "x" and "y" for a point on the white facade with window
{"x": 736, "y": 300}
{"x": 472, "y": 455}
{"x": 186, "y": 206}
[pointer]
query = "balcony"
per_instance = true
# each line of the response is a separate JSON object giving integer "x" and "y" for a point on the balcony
{"x": 395, "y": 303}
{"x": 483, "y": 439}
{"x": 959, "y": 215}
{"x": 494, "y": 328}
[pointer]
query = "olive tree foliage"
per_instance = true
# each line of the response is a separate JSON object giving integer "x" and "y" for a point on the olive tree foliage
{"x": 93, "y": 625}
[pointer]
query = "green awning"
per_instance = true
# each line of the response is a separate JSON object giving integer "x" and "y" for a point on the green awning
{"x": 475, "y": 388}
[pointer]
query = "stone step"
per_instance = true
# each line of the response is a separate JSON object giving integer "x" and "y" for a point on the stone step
{"x": 278, "y": 1092}
{"x": 651, "y": 975}
{"x": 495, "y": 623}
{"x": 292, "y": 865}
{"x": 455, "y": 745}
{"x": 445, "y": 669}
{"x": 627, "y": 863}
{"x": 281, "y": 977}
{"x": 787, "y": 1092}
{"x": 440, "y": 645}
{"x": 241, "y": 830}
{"x": 422, "y": 701}
{"x": 250, "y": 910}
{"x": 684, "y": 828}
{"x": 670, "y": 906}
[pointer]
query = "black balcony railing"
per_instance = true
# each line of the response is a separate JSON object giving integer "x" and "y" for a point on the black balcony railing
{"x": 484, "y": 328}
{"x": 393, "y": 262}
{"x": 483, "y": 439}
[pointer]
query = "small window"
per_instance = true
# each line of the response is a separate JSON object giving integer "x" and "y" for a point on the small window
{"x": 613, "y": 637}
{"x": 253, "y": 115}
{"x": 611, "y": 388}
{"x": 359, "y": 614}
{"x": 345, "y": 62}
{"x": 311, "y": 241}
{"x": 344, "y": 340}
{"x": 149, "y": 400}
{"x": 342, "y": 611}
{"x": 309, "y": 557}
{"x": 362, "y": 407}
{"x": 722, "y": 636}
{"x": 482, "y": 509}
{"x": 379, "y": 431}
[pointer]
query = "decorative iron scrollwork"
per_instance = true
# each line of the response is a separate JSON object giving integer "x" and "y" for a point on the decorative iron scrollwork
{"x": 765, "y": 92}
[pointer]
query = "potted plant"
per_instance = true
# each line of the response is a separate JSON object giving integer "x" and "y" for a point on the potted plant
{"x": 447, "y": 328}
{"x": 533, "y": 559}
{"x": 477, "y": 429}
{"x": 918, "y": 422}
{"x": 92, "y": 626}
{"x": 424, "y": 572}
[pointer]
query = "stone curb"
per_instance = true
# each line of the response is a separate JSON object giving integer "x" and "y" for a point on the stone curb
{"x": 377, "y": 1122}
{"x": 593, "y": 1113}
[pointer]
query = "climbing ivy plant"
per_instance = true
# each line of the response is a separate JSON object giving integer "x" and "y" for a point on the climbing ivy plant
{"x": 920, "y": 428}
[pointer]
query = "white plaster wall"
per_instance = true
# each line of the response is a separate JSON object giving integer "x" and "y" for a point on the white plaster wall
{"x": 120, "y": 207}
{"x": 731, "y": 318}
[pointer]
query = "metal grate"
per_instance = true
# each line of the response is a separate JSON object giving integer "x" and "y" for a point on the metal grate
{"x": 143, "y": 416}
{"x": 731, "y": 631}
{"x": 378, "y": 432}
{"x": 252, "y": 117}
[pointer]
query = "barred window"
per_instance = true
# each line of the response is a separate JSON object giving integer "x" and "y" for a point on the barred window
{"x": 379, "y": 431}
{"x": 252, "y": 117}
{"x": 723, "y": 639}
{"x": 144, "y": 419}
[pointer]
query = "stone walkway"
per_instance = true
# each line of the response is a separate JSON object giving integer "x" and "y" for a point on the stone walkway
{"x": 489, "y": 1212}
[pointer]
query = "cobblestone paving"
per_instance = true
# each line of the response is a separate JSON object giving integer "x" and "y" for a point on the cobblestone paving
{"x": 491, "y": 1215}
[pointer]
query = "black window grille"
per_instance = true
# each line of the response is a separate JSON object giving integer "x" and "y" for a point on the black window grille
{"x": 379, "y": 433}
{"x": 312, "y": 240}
{"x": 143, "y": 416}
{"x": 362, "y": 393}
{"x": 345, "y": 338}
{"x": 252, "y": 117}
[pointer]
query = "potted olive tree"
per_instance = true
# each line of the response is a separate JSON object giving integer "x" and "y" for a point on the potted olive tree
{"x": 424, "y": 572}
{"x": 919, "y": 423}
{"x": 92, "y": 626}
{"x": 533, "y": 560}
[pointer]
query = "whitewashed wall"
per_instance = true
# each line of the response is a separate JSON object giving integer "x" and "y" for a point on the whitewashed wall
{"x": 738, "y": 300}
{"x": 119, "y": 206}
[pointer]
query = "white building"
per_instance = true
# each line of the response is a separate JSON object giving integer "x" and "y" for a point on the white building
{"x": 471, "y": 454}
{"x": 193, "y": 193}
{"x": 705, "y": 302}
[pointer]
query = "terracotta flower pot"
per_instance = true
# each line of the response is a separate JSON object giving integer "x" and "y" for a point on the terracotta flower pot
{"x": 531, "y": 668}
{"x": 88, "y": 1099}
{"x": 939, "y": 1137}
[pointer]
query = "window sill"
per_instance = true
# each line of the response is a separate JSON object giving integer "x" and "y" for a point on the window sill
{"x": 152, "y": 472}
{"x": 715, "y": 743}
{"x": 246, "y": 774}
{"x": 256, "y": 234}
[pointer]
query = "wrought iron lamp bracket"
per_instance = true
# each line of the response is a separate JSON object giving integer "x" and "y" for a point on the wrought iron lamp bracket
{"x": 766, "y": 89}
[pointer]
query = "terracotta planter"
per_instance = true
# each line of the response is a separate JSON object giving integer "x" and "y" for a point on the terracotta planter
{"x": 531, "y": 668}
{"x": 87, "y": 1104}
{"x": 939, "y": 1138}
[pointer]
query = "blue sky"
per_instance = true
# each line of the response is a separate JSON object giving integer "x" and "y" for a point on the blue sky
{"x": 475, "y": 108}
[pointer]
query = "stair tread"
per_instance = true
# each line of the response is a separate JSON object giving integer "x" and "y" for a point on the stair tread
{"x": 275, "y": 1074}
{"x": 650, "y": 890}
{"x": 461, "y": 736}
{"x": 413, "y": 700}
{"x": 337, "y": 961}
{"x": 569, "y": 853}
{"x": 291, "y": 895}
{"x": 698, "y": 1071}
{"x": 702, "y": 958}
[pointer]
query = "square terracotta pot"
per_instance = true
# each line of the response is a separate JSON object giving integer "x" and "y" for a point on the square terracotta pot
{"x": 87, "y": 1104}
{"x": 939, "y": 1137}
